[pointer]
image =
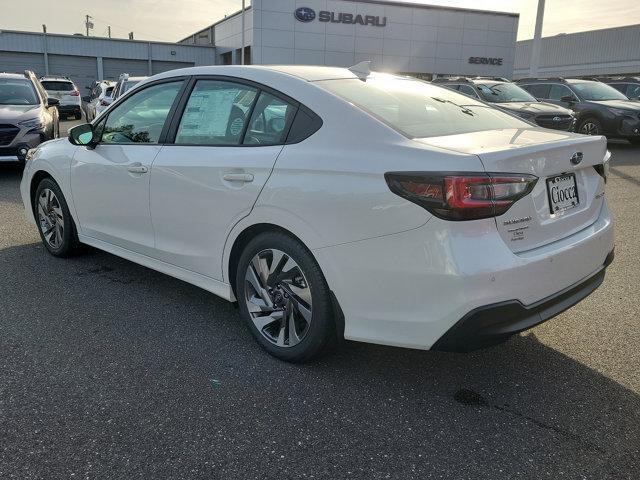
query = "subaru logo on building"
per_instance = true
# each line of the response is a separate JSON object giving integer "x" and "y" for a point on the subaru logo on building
{"x": 305, "y": 14}
{"x": 576, "y": 158}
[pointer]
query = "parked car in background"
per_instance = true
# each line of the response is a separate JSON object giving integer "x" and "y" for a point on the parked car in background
{"x": 600, "y": 109}
{"x": 628, "y": 86}
{"x": 341, "y": 202}
{"x": 96, "y": 102}
{"x": 124, "y": 84}
{"x": 67, "y": 94}
{"x": 510, "y": 97}
{"x": 27, "y": 116}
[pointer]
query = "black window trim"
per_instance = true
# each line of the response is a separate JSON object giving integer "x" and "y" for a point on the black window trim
{"x": 175, "y": 122}
{"x": 165, "y": 128}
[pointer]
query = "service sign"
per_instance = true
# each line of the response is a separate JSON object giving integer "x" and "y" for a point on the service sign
{"x": 485, "y": 60}
{"x": 306, "y": 15}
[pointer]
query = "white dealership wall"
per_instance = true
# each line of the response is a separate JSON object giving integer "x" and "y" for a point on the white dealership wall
{"x": 416, "y": 38}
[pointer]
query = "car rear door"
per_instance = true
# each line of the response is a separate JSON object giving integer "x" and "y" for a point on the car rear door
{"x": 227, "y": 137}
{"x": 110, "y": 183}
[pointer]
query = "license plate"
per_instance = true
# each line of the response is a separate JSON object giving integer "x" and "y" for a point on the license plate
{"x": 563, "y": 192}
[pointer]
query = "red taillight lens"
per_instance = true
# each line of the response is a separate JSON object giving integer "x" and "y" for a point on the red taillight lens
{"x": 74, "y": 93}
{"x": 461, "y": 196}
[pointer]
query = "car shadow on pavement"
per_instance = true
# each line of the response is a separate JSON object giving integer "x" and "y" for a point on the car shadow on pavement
{"x": 101, "y": 346}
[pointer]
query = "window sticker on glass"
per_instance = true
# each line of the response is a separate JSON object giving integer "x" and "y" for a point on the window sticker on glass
{"x": 215, "y": 113}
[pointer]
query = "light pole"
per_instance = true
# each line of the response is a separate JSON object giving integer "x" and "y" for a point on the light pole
{"x": 88, "y": 23}
{"x": 537, "y": 40}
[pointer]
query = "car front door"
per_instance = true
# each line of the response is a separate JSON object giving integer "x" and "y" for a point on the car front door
{"x": 110, "y": 182}
{"x": 226, "y": 142}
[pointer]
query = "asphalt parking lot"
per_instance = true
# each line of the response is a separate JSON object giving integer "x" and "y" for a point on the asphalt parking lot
{"x": 109, "y": 370}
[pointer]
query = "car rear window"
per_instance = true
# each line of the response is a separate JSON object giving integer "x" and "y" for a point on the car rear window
{"x": 419, "y": 109}
{"x": 57, "y": 86}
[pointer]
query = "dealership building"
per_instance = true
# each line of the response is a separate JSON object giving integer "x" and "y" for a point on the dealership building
{"x": 86, "y": 59}
{"x": 401, "y": 37}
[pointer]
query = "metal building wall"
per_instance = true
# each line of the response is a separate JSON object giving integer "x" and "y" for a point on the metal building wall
{"x": 597, "y": 52}
{"x": 85, "y": 59}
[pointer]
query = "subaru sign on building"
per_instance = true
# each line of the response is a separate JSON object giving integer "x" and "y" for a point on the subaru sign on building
{"x": 395, "y": 36}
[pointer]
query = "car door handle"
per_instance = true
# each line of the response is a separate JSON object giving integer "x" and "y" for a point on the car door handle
{"x": 238, "y": 177}
{"x": 137, "y": 168}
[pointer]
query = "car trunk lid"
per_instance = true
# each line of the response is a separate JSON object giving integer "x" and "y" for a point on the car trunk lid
{"x": 568, "y": 194}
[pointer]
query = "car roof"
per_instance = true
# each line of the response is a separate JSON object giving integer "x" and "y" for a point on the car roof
{"x": 308, "y": 73}
{"x": 57, "y": 79}
{"x": 13, "y": 75}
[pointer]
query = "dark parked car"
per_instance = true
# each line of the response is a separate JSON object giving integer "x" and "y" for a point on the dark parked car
{"x": 600, "y": 109}
{"x": 513, "y": 99}
{"x": 628, "y": 86}
{"x": 27, "y": 116}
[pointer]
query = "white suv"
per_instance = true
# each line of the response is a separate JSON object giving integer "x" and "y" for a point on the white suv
{"x": 331, "y": 201}
{"x": 65, "y": 91}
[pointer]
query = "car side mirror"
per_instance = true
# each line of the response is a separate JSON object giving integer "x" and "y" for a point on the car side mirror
{"x": 567, "y": 99}
{"x": 52, "y": 102}
{"x": 82, "y": 135}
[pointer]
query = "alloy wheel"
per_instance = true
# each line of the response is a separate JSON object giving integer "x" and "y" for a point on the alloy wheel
{"x": 278, "y": 298}
{"x": 589, "y": 128}
{"x": 50, "y": 218}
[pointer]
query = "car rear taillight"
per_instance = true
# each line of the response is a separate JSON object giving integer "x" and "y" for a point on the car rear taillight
{"x": 461, "y": 196}
{"x": 104, "y": 103}
{"x": 74, "y": 93}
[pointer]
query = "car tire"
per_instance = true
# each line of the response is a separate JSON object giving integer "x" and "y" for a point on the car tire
{"x": 284, "y": 298}
{"x": 590, "y": 126}
{"x": 55, "y": 224}
{"x": 78, "y": 116}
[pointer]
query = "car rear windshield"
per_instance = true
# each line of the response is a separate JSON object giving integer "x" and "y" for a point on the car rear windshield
{"x": 419, "y": 109}
{"x": 57, "y": 86}
{"x": 17, "y": 92}
{"x": 597, "y": 91}
{"x": 504, "y": 93}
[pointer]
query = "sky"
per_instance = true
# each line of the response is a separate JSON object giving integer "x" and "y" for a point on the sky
{"x": 172, "y": 20}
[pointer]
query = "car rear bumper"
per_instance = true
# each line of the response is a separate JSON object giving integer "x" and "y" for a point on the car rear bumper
{"x": 410, "y": 289}
{"x": 495, "y": 323}
{"x": 69, "y": 109}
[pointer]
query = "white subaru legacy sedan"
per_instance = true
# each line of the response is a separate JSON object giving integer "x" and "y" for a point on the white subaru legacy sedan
{"x": 331, "y": 202}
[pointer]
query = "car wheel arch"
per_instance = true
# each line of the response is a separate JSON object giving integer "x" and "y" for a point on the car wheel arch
{"x": 243, "y": 237}
{"x": 246, "y": 235}
{"x": 36, "y": 178}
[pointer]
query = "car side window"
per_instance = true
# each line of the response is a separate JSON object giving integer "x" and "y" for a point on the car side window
{"x": 269, "y": 121}
{"x": 141, "y": 117}
{"x": 538, "y": 90}
{"x": 621, "y": 87}
{"x": 216, "y": 113}
{"x": 633, "y": 91}
{"x": 556, "y": 92}
{"x": 467, "y": 90}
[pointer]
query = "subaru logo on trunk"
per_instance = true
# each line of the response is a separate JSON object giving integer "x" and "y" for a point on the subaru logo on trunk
{"x": 305, "y": 14}
{"x": 576, "y": 158}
